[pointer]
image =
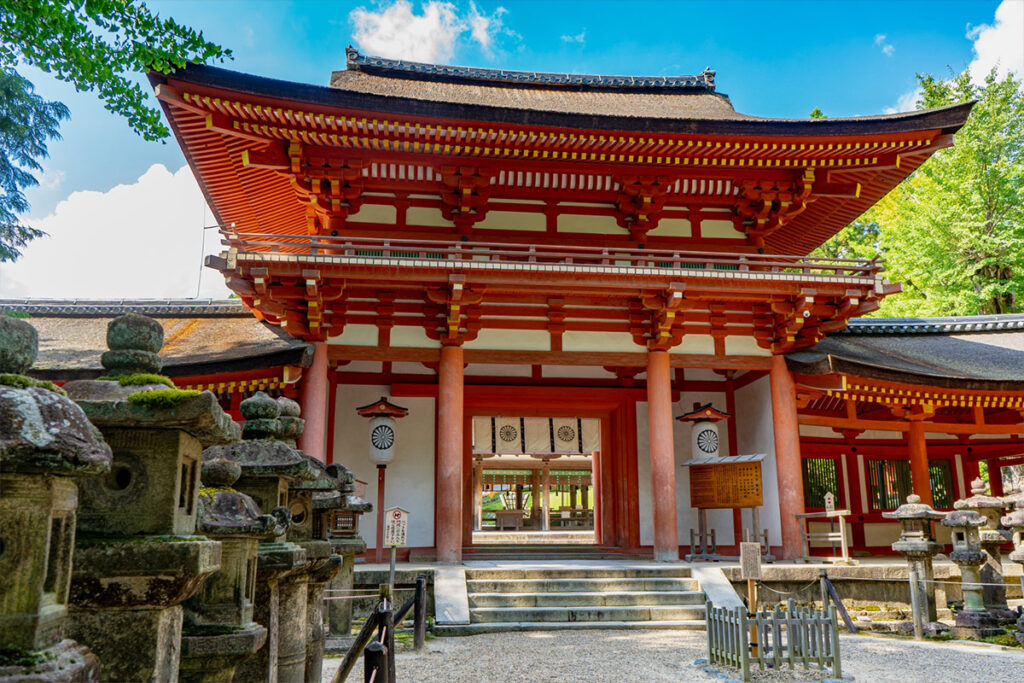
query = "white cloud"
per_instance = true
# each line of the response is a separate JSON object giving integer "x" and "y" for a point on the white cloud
{"x": 396, "y": 32}
{"x": 140, "y": 240}
{"x": 1000, "y": 44}
{"x": 51, "y": 180}
{"x": 906, "y": 102}
{"x": 887, "y": 48}
{"x": 580, "y": 38}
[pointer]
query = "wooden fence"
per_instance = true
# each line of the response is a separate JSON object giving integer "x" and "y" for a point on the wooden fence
{"x": 774, "y": 638}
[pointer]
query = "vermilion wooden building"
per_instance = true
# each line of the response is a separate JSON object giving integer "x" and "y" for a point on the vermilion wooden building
{"x": 489, "y": 244}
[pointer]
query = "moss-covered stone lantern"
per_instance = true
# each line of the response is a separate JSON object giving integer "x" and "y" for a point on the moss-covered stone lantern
{"x": 992, "y": 535}
{"x": 338, "y": 515}
{"x": 46, "y": 441}
{"x": 219, "y": 632}
{"x": 268, "y": 465}
{"x": 917, "y": 543}
{"x": 137, "y": 557}
{"x": 1014, "y": 521}
{"x": 973, "y": 621}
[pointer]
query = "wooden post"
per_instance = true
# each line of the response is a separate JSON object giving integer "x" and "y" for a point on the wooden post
{"x": 375, "y": 658}
{"x": 419, "y": 633}
{"x": 663, "y": 461}
{"x": 920, "y": 479}
{"x": 313, "y": 401}
{"x": 546, "y": 497}
{"x": 787, "y": 456}
{"x": 449, "y": 455}
{"x": 478, "y": 495}
{"x": 995, "y": 477}
{"x": 388, "y": 620}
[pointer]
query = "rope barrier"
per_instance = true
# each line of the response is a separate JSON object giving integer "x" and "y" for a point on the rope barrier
{"x": 799, "y": 590}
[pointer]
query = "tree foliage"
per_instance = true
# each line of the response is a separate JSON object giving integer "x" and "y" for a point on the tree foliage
{"x": 953, "y": 232}
{"x": 96, "y": 45}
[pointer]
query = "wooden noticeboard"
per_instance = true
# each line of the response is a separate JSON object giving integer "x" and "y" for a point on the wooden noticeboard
{"x": 733, "y": 485}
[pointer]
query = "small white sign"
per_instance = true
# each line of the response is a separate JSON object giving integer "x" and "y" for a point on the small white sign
{"x": 396, "y": 525}
{"x": 830, "y": 503}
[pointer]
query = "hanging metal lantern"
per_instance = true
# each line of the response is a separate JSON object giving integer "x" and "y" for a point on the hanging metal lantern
{"x": 381, "y": 429}
{"x": 705, "y": 441}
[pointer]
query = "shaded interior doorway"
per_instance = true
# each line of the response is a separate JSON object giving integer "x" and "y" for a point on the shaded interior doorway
{"x": 533, "y": 480}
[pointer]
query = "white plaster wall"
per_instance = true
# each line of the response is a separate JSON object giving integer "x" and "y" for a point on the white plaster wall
{"x": 686, "y": 516}
{"x": 410, "y": 476}
{"x": 756, "y": 434}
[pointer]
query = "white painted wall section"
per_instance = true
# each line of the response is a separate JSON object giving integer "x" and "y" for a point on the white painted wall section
{"x": 756, "y": 434}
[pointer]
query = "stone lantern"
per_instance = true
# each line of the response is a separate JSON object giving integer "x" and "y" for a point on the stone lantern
{"x": 219, "y": 632}
{"x": 917, "y": 543}
{"x": 973, "y": 621}
{"x": 704, "y": 437}
{"x": 45, "y": 442}
{"x": 1015, "y": 521}
{"x": 992, "y": 535}
{"x": 339, "y": 513}
{"x": 137, "y": 557}
{"x": 268, "y": 465}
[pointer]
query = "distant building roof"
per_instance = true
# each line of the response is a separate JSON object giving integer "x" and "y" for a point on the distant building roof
{"x": 201, "y": 337}
{"x": 967, "y": 352}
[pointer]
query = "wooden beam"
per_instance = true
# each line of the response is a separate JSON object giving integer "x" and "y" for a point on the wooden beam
{"x": 903, "y": 426}
{"x": 596, "y": 358}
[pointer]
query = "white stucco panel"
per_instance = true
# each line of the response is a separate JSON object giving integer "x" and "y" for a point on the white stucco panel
{"x": 410, "y": 477}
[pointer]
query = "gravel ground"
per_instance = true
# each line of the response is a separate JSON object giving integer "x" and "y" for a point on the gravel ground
{"x": 594, "y": 656}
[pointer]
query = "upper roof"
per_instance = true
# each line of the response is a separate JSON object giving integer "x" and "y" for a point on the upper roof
{"x": 201, "y": 337}
{"x": 966, "y": 352}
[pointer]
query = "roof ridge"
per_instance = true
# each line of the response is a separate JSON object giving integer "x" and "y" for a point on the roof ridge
{"x": 936, "y": 325}
{"x": 90, "y": 308}
{"x": 704, "y": 81}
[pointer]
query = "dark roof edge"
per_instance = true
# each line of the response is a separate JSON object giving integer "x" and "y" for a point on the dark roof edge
{"x": 828, "y": 364}
{"x": 948, "y": 119}
{"x": 396, "y": 68}
{"x": 102, "y": 308}
{"x": 938, "y": 325}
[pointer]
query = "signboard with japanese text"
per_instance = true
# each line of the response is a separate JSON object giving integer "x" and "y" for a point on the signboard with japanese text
{"x": 396, "y": 526}
{"x": 726, "y": 485}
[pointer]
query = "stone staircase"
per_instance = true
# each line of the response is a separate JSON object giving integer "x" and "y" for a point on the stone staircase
{"x": 524, "y": 552}
{"x": 557, "y": 598}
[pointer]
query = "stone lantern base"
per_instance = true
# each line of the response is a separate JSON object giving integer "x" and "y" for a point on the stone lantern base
{"x": 66, "y": 662}
{"x": 976, "y": 625}
{"x": 213, "y": 658}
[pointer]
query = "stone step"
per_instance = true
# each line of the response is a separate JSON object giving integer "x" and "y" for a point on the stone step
{"x": 508, "y": 573}
{"x": 586, "y": 614}
{"x": 607, "y": 584}
{"x": 587, "y": 599}
{"x": 546, "y": 557}
{"x": 506, "y": 626}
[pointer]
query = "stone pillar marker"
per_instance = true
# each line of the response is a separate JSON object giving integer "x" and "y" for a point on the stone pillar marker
{"x": 45, "y": 442}
{"x": 268, "y": 465}
{"x": 992, "y": 534}
{"x": 973, "y": 621}
{"x": 137, "y": 557}
{"x": 917, "y": 543}
{"x": 219, "y": 632}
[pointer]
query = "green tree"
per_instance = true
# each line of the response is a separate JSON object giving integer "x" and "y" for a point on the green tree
{"x": 96, "y": 45}
{"x": 953, "y": 232}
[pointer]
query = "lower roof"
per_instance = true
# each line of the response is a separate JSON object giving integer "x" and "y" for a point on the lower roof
{"x": 201, "y": 337}
{"x": 965, "y": 352}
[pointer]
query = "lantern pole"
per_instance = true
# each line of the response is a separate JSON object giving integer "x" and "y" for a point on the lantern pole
{"x": 379, "y": 546}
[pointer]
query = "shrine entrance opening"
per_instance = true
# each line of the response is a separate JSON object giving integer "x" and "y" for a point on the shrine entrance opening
{"x": 533, "y": 480}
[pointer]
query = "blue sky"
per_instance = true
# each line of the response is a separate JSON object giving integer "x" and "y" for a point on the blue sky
{"x": 779, "y": 59}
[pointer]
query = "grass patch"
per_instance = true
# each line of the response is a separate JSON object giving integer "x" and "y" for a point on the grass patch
{"x": 16, "y": 656}
{"x": 21, "y": 315}
{"x": 1006, "y": 640}
{"x": 869, "y": 608}
{"x": 163, "y": 398}
{"x": 22, "y": 382}
{"x": 138, "y": 379}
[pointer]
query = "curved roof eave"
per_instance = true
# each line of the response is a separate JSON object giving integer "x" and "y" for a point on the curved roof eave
{"x": 947, "y": 120}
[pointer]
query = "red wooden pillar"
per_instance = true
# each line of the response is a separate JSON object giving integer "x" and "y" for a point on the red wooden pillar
{"x": 313, "y": 401}
{"x": 663, "y": 472}
{"x": 787, "y": 456}
{"x": 920, "y": 480}
{"x": 449, "y": 455}
{"x": 995, "y": 477}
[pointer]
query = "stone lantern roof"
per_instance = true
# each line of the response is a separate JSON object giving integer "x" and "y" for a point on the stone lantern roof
{"x": 224, "y": 511}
